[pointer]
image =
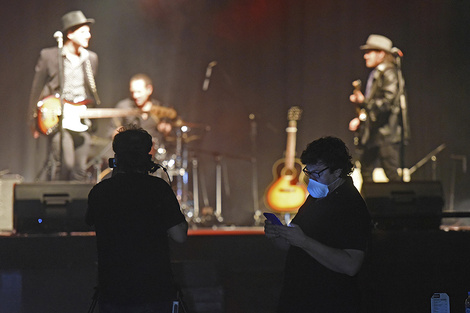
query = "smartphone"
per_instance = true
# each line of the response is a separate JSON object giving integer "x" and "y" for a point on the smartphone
{"x": 272, "y": 218}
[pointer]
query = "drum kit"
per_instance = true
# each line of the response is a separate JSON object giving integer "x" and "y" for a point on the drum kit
{"x": 180, "y": 168}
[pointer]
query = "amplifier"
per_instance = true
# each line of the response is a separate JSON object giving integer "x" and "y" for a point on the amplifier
{"x": 51, "y": 207}
{"x": 405, "y": 205}
{"x": 7, "y": 183}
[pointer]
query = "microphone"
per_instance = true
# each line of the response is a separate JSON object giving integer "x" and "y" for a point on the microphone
{"x": 397, "y": 52}
{"x": 59, "y": 37}
{"x": 205, "y": 85}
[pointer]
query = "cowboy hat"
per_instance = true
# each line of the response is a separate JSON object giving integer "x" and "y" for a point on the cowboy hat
{"x": 378, "y": 42}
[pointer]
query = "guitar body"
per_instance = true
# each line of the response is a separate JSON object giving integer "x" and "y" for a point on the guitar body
{"x": 72, "y": 116}
{"x": 49, "y": 110}
{"x": 287, "y": 192}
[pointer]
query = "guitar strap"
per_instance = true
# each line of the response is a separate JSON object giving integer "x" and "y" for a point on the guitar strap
{"x": 91, "y": 79}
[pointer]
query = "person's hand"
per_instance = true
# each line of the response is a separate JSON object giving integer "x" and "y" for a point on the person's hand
{"x": 164, "y": 128}
{"x": 271, "y": 230}
{"x": 293, "y": 234}
{"x": 354, "y": 124}
{"x": 36, "y": 134}
{"x": 357, "y": 97}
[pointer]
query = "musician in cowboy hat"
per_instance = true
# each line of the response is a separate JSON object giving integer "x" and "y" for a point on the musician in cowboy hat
{"x": 379, "y": 130}
{"x": 67, "y": 70}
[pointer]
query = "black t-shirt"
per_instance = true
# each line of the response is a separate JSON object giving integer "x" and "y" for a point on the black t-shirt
{"x": 131, "y": 214}
{"x": 340, "y": 220}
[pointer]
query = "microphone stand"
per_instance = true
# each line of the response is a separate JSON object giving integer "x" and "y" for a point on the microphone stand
{"x": 403, "y": 111}
{"x": 254, "y": 167}
{"x": 60, "y": 44}
{"x": 253, "y": 136}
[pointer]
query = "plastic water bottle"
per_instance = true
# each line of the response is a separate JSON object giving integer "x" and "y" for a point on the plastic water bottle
{"x": 467, "y": 303}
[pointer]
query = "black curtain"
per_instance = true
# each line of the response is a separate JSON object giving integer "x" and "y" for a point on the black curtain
{"x": 271, "y": 55}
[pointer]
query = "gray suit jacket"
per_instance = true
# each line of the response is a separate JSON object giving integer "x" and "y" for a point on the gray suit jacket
{"x": 46, "y": 78}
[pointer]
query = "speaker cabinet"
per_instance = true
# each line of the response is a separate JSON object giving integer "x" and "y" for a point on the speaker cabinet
{"x": 405, "y": 206}
{"x": 7, "y": 183}
{"x": 51, "y": 207}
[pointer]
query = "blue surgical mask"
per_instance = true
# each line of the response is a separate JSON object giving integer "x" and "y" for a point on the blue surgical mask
{"x": 316, "y": 189}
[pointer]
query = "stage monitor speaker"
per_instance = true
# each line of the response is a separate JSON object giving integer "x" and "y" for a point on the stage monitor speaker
{"x": 51, "y": 207}
{"x": 405, "y": 206}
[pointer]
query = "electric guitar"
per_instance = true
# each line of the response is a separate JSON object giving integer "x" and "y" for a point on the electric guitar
{"x": 360, "y": 112}
{"x": 287, "y": 192}
{"x": 49, "y": 110}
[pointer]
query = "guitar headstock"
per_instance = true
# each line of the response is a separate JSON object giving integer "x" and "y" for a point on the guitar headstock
{"x": 162, "y": 112}
{"x": 294, "y": 113}
{"x": 357, "y": 84}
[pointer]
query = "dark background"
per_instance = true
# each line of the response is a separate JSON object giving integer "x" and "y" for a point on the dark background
{"x": 271, "y": 55}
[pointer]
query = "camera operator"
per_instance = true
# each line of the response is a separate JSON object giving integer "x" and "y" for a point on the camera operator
{"x": 134, "y": 214}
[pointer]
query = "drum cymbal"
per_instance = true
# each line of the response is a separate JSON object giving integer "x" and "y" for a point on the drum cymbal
{"x": 180, "y": 123}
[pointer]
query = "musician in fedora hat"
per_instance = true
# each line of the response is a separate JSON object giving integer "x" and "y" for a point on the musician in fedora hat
{"x": 67, "y": 70}
{"x": 74, "y": 19}
{"x": 379, "y": 128}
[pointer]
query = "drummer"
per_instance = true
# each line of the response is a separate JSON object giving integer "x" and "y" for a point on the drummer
{"x": 157, "y": 125}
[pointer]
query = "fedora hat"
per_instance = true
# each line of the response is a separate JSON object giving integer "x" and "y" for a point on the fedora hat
{"x": 75, "y": 18}
{"x": 378, "y": 42}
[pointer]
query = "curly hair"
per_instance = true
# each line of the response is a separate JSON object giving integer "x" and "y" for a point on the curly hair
{"x": 330, "y": 151}
{"x": 132, "y": 146}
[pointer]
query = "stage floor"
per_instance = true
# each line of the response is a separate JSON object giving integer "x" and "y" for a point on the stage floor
{"x": 234, "y": 270}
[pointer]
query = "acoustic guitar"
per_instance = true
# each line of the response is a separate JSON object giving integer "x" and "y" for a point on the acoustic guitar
{"x": 49, "y": 110}
{"x": 287, "y": 192}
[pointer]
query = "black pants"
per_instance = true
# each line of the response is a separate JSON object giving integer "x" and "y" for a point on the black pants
{"x": 386, "y": 156}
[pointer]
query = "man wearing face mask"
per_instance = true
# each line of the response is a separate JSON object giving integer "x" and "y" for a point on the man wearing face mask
{"x": 328, "y": 237}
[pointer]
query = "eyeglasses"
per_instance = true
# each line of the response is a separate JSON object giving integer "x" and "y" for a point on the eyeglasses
{"x": 313, "y": 174}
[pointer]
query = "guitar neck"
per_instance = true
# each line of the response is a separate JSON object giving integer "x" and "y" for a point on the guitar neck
{"x": 291, "y": 144}
{"x": 109, "y": 113}
{"x": 156, "y": 111}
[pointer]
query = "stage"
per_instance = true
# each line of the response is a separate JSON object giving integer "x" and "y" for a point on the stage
{"x": 234, "y": 270}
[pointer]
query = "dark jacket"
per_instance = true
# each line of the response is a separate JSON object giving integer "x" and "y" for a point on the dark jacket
{"x": 382, "y": 105}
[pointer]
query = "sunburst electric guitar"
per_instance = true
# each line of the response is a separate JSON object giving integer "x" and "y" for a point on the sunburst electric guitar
{"x": 287, "y": 192}
{"x": 49, "y": 109}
